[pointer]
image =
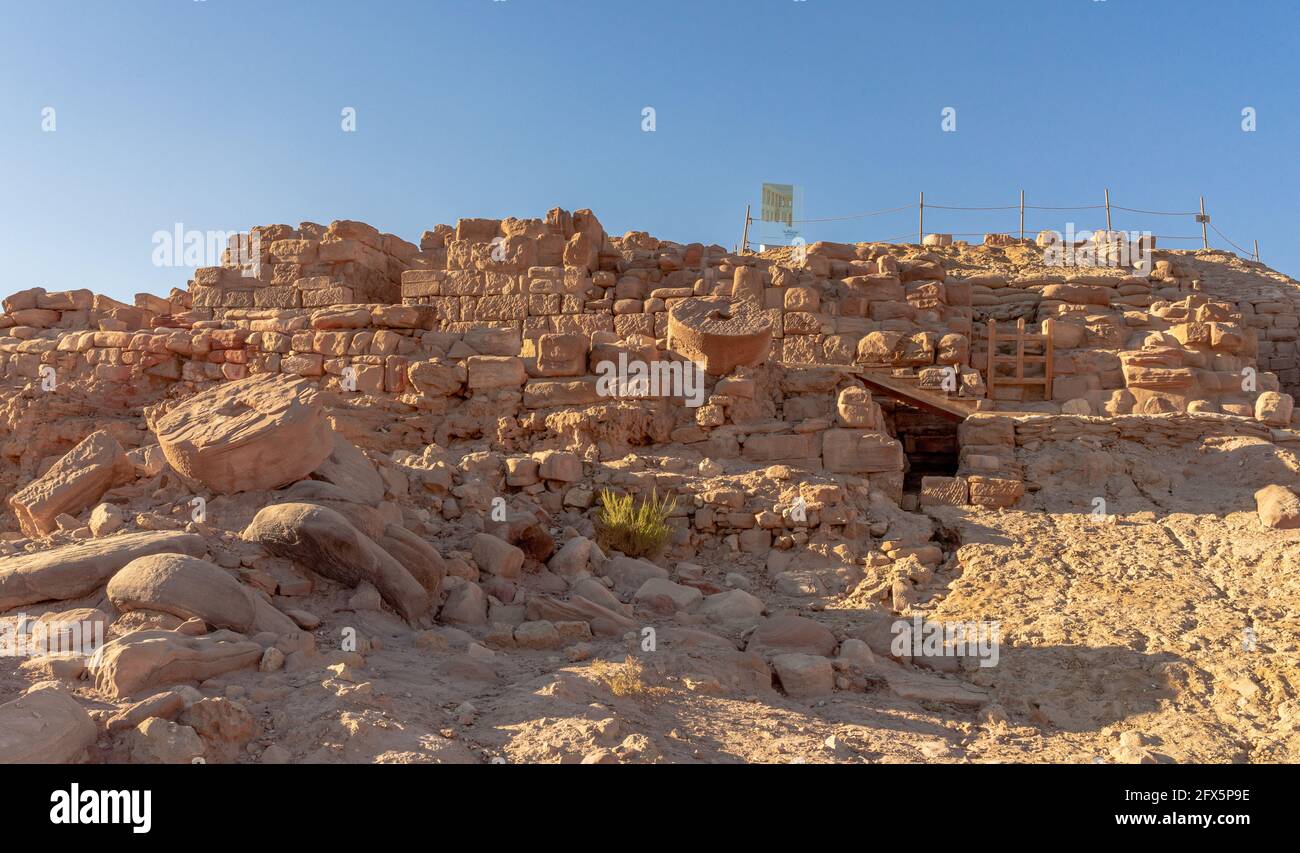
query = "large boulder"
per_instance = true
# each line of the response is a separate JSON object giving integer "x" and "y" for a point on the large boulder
{"x": 629, "y": 573}
{"x": 1274, "y": 409}
{"x": 72, "y": 484}
{"x": 417, "y": 556}
{"x": 348, "y": 468}
{"x": 46, "y": 726}
{"x": 497, "y": 557}
{"x": 152, "y": 659}
{"x": 188, "y": 587}
{"x": 1278, "y": 507}
{"x": 159, "y": 741}
{"x": 788, "y": 633}
{"x": 73, "y": 571}
{"x": 326, "y": 542}
{"x": 804, "y": 676}
{"x": 662, "y": 596}
{"x": 733, "y": 608}
{"x": 258, "y": 433}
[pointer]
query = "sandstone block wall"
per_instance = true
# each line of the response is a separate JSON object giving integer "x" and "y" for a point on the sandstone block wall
{"x": 347, "y": 304}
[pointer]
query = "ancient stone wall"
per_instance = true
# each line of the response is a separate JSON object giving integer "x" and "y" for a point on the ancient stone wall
{"x": 371, "y": 312}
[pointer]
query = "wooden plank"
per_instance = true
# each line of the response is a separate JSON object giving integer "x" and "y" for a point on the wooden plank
{"x": 913, "y": 396}
{"x": 1047, "y": 353}
{"x": 1020, "y": 348}
{"x": 993, "y": 358}
{"x": 956, "y": 409}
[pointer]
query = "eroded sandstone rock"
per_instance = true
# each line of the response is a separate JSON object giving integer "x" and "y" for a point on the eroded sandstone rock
{"x": 151, "y": 659}
{"x": 72, "y": 571}
{"x": 44, "y": 726}
{"x": 188, "y": 587}
{"x": 323, "y": 539}
{"x": 74, "y": 483}
{"x": 257, "y": 433}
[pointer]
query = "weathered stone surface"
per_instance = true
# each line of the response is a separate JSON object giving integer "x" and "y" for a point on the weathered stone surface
{"x": 159, "y": 741}
{"x": 492, "y": 371}
{"x": 995, "y": 491}
{"x": 537, "y": 634}
{"x": 719, "y": 333}
{"x": 987, "y": 430}
{"x": 804, "y": 676}
{"x": 105, "y": 520}
{"x": 437, "y": 377}
{"x": 152, "y": 659}
{"x": 348, "y": 468}
{"x": 789, "y": 633}
{"x": 44, "y": 726}
{"x": 72, "y": 571}
{"x": 466, "y": 605}
{"x": 417, "y": 556}
{"x": 497, "y": 556}
{"x": 224, "y": 726}
{"x": 944, "y": 491}
{"x": 73, "y": 483}
{"x": 560, "y": 465}
{"x": 734, "y": 608}
{"x": 857, "y": 410}
{"x": 604, "y": 621}
{"x": 573, "y": 557}
{"x": 846, "y": 451}
{"x": 660, "y": 595}
{"x": 629, "y": 573}
{"x": 326, "y": 541}
{"x": 262, "y": 432}
{"x": 1274, "y": 409}
{"x": 188, "y": 587}
{"x": 562, "y": 355}
{"x": 1278, "y": 507}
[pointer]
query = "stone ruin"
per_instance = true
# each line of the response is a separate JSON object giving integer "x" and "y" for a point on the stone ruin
{"x": 345, "y": 398}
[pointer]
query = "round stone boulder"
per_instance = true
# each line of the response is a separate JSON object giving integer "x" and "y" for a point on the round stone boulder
{"x": 183, "y": 586}
{"x": 262, "y": 432}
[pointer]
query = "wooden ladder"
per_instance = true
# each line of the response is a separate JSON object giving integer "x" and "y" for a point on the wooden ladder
{"x": 1020, "y": 338}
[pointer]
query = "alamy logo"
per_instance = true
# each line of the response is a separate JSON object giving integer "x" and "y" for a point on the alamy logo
{"x": 657, "y": 378}
{"x": 74, "y": 806}
{"x": 1097, "y": 248}
{"x": 194, "y": 248}
{"x": 26, "y": 637}
{"x": 921, "y": 638}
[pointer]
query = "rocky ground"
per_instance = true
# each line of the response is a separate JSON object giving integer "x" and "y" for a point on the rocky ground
{"x": 1123, "y": 639}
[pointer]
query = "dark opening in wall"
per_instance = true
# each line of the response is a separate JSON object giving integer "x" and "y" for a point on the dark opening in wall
{"x": 929, "y": 443}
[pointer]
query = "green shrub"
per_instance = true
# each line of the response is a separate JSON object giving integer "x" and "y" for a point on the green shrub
{"x": 636, "y": 529}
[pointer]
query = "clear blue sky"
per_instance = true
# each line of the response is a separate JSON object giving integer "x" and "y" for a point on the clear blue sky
{"x": 221, "y": 114}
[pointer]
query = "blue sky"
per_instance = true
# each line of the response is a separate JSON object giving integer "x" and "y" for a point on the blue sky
{"x": 222, "y": 114}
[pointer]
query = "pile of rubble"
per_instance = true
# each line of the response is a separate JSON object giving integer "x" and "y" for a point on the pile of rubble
{"x": 349, "y": 462}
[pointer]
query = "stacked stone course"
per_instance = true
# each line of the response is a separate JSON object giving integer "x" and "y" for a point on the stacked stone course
{"x": 501, "y": 326}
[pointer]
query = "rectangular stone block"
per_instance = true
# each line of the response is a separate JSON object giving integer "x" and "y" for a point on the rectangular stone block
{"x": 944, "y": 491}
{"x": 849, "y": 451}
{"x": 774, "y": 448}
{"x": 277, "y": 297}
{"x": 545, "y": 393}
{"x": 327, "y": 296}
{"x": 501, "y": 308}
{"x": 422, "y": 283}
{"x": 995, "y": 491}
{"x": 489, "y": 371}
{"x": 987, "y": 430}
